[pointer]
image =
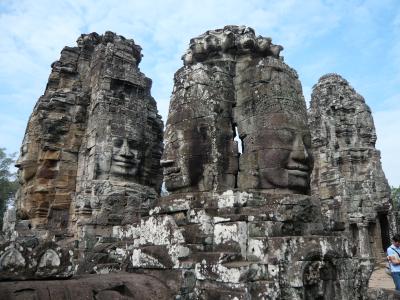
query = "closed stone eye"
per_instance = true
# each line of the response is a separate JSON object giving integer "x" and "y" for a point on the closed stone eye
{"x": 118, "y": 142}
{"x": 286, "y": 136}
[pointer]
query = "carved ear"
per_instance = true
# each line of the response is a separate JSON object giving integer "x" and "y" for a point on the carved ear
{"x": 145, "y": 163}
{"x": 103, "y": 164}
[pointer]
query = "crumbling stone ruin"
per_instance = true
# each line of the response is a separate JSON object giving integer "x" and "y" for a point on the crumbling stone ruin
{"x": 348, "y": 177}
{"x": 89, "y": 159}
{"x": 264, "y": 236}
{"x": 95, "y": 132}
{"x": 240, "y": 220}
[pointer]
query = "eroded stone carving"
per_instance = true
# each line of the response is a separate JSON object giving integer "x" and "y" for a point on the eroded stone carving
{"x": 251, "y": 222}
{"x": 49, "y": 259}
{"x": 125, "y": 159}
{"x": 348, "y": 176}
{"x": 200, "y": 152}
{"x": 12, "y": 259}
{"x": 30, "y": 257}
{"x": 229, "y": 41}
{"x": 90, "y": 155}
{"x": 93, "y": 287}
{"x": 233, "y": 81}
{"x": 271, "y": 119}
{"x": 236, "y": 224}
{"x": 95, "y": 123}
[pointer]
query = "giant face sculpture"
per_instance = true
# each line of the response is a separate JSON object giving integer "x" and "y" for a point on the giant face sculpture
{"x": 253, "y": 93}
{"x": 199, "y": 138}
{"x": 27, "y": 164}
{"x": 272, "y": 122}
{"x": 121, "y": 161}
{"x": 187, "y": 156}
{"x": 286, "y": 161}
{"x": 125, "y": 160}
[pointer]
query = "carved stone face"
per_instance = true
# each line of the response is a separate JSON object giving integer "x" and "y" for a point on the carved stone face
{"x": 285, "y": 160}
{"x": 174, "y": 173}
{"x": 185, "y": 157}
{"x": 318, "y": 280}
{"x": 27, "y": 166}
{"x": 125, "y": 160}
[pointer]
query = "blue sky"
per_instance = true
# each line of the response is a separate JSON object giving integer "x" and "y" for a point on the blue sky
{"x": 358, "y": 39}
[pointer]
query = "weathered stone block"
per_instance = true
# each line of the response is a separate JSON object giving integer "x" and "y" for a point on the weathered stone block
{"x": 230, "y": 237}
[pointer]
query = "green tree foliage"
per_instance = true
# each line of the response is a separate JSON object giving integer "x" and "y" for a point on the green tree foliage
{"x": 8, "y": 182}
{"x": 396, "y": 197}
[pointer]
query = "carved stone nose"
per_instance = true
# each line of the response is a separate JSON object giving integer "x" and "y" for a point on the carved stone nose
{"x": 125, "y": 151}
{"x": 18, "y": 163}
{"x": 299, "y": 152}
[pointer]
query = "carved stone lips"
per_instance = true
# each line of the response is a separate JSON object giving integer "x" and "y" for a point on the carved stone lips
{"x": 298, "y": 170}
{"x": 171, "y": 170}
{"x": 120, "y": 161}
{"x": 298, "y": 173}
{"x": 168, "y": 167}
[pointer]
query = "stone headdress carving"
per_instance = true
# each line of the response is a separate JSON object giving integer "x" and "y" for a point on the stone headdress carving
{"x": 236, "y": 83}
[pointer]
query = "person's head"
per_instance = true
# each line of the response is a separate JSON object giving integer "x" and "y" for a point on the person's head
{"x": 396, "y": 240}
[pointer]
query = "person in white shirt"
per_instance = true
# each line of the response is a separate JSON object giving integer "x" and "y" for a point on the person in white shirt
{"x": 393, "y": 257}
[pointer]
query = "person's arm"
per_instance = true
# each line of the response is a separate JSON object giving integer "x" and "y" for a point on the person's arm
{"x": 394, "y": 260}
{"x": 393, "y": 257}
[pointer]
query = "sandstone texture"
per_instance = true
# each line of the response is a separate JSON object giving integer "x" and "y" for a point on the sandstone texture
{"x": 239, "y": 219}
{"x": 252, "y": 230}
{"x": 90, "y": 157}
{"x": 235, "y": 83}
{"x": 96, "y": 123}
{"x": 348, "y": 177}
{"x": 96, "y": 287}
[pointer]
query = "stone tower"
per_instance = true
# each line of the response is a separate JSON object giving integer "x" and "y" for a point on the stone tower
{"x": 348, "y": 177}
{"x": 251, "y": 228}
{"x": 233, "y": 83}
{"x": 94, "y": 132}
{"x": 90, "y": 159}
